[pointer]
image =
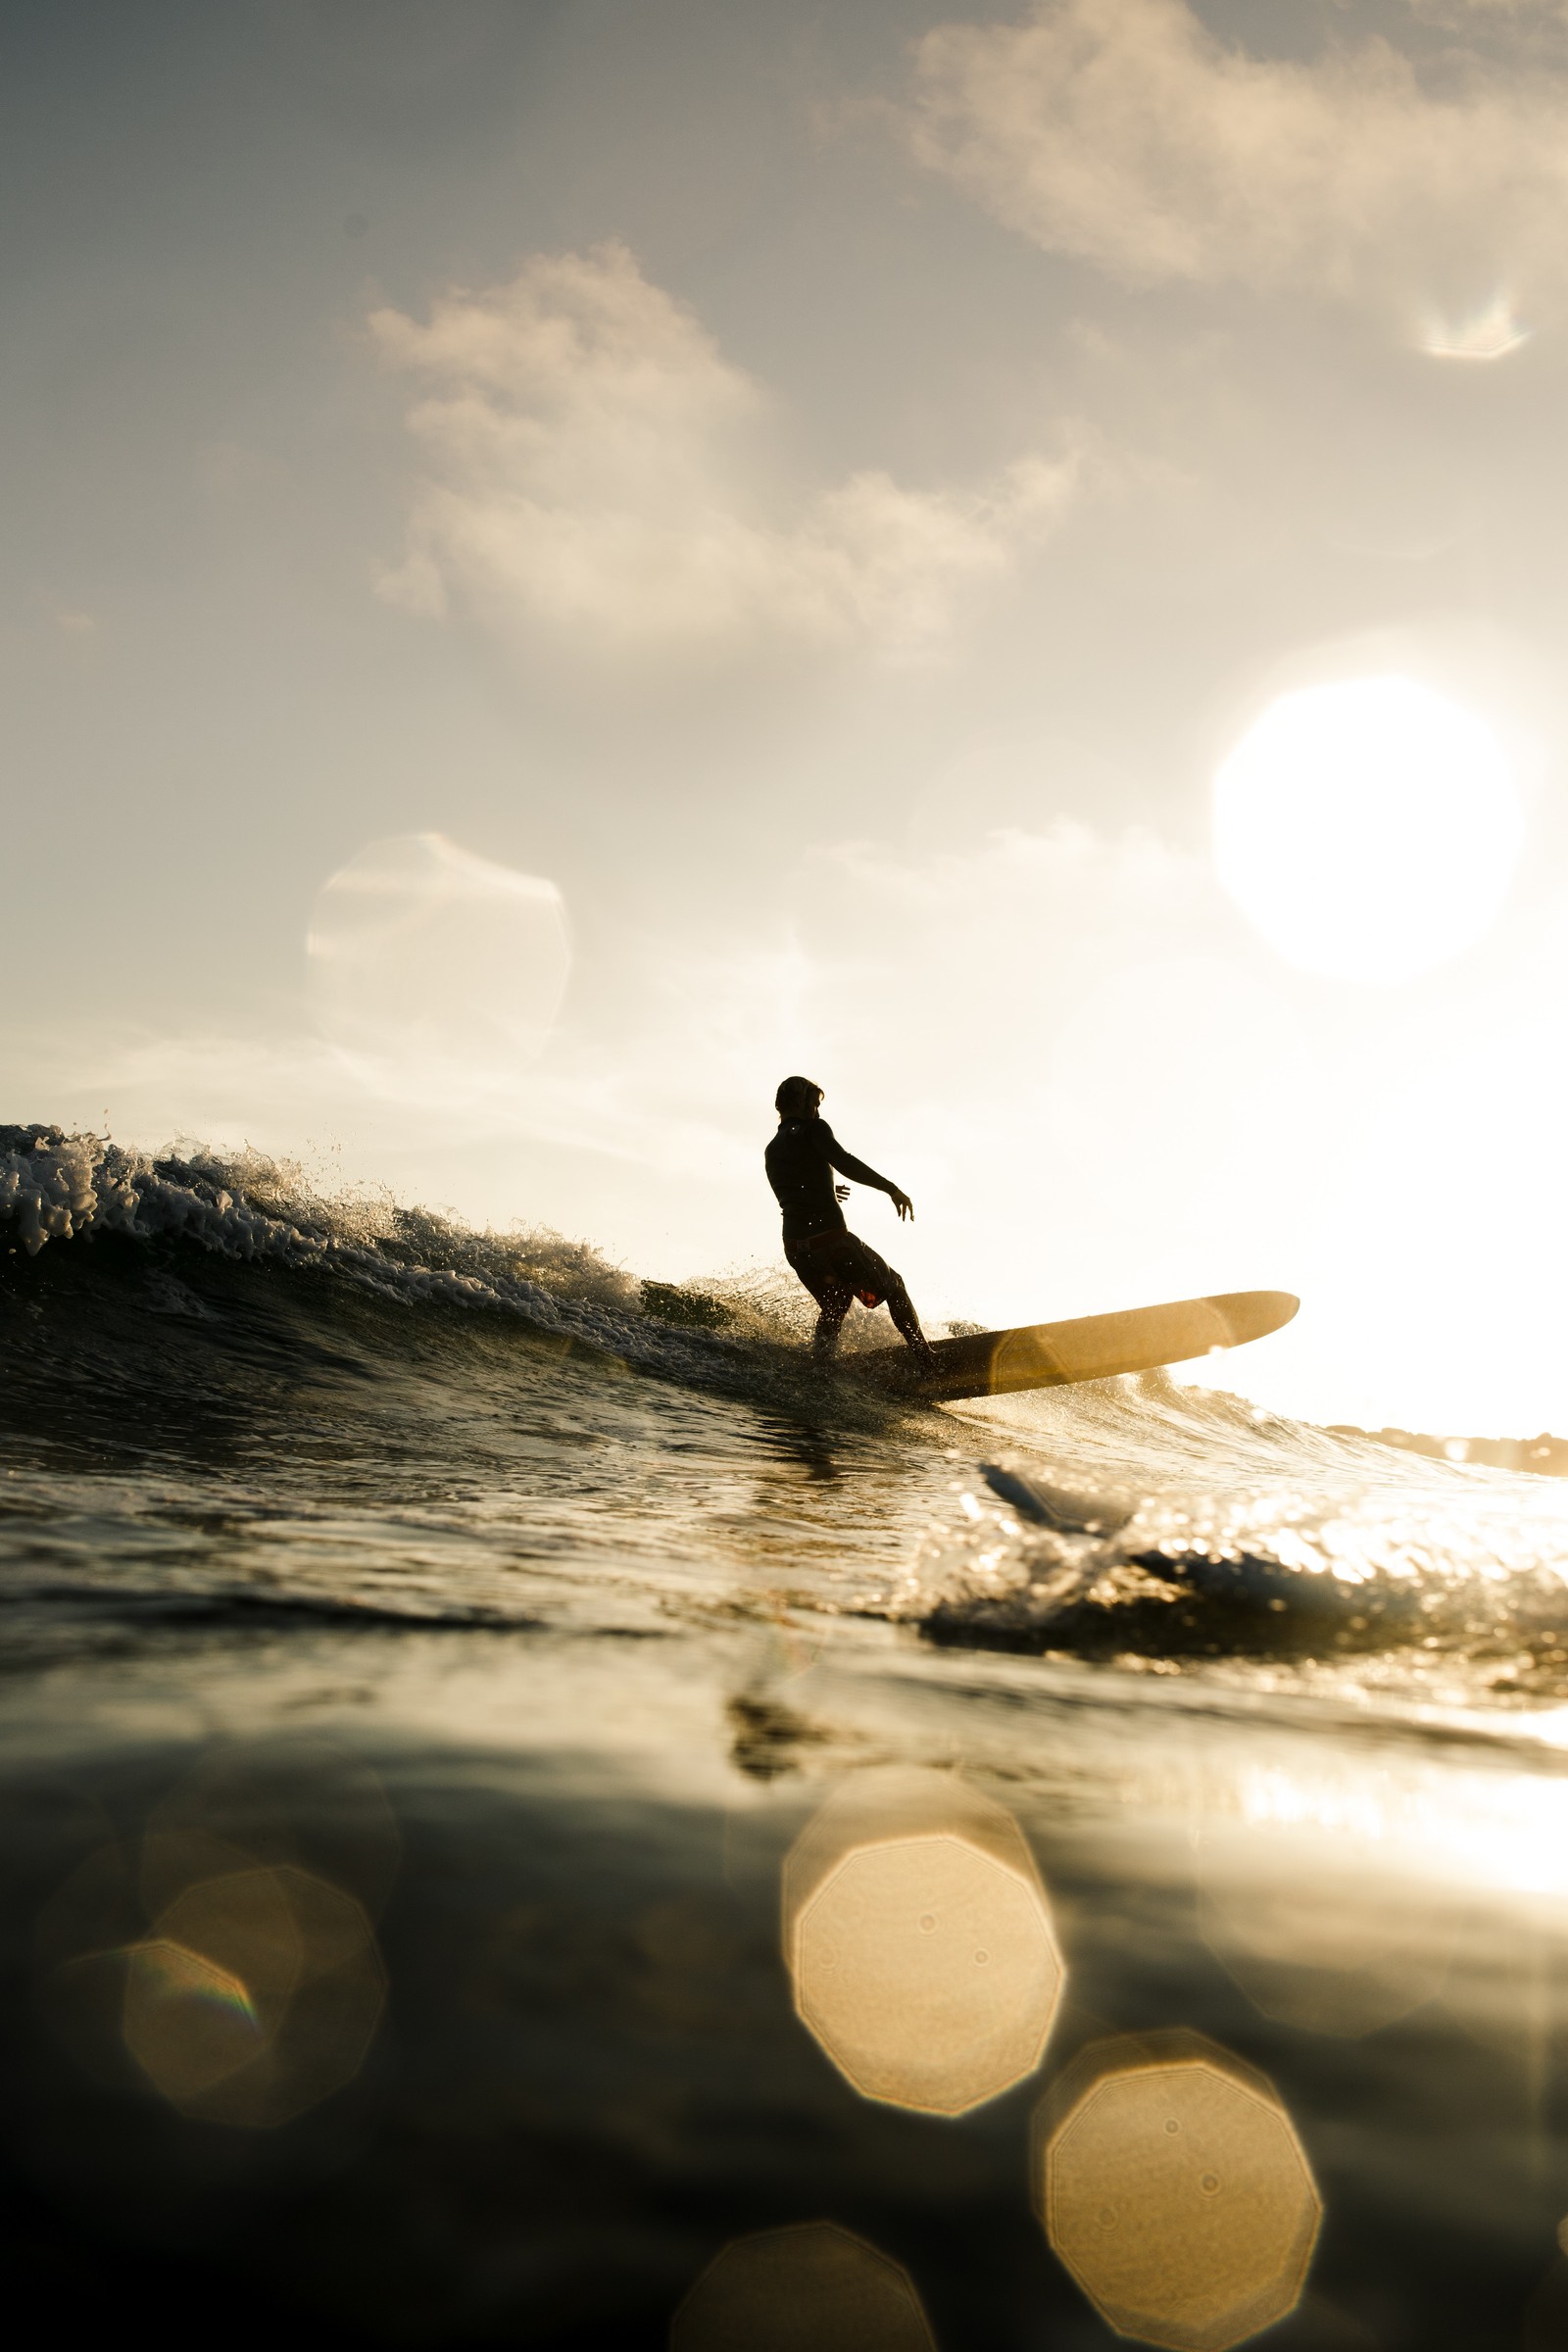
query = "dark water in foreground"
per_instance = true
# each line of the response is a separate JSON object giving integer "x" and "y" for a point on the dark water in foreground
{"x": 479, "y": 1742}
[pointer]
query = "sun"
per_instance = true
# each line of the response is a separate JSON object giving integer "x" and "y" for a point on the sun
{"x": 1368, "y": 827}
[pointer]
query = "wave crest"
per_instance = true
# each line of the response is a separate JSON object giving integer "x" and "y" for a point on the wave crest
{"x": 58, "y": 1188}
{"x": 1157, "y": 1522}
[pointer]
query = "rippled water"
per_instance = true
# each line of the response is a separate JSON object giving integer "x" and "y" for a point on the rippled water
{"x": 429, "y": 1657}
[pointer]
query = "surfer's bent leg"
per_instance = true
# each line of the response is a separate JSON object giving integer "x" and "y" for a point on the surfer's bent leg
{"x": 834, "y": 1300}
{"x": 901, "y": 1306}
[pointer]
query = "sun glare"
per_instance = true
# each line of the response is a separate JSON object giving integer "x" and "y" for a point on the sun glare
{"x": 1369, "y": 828}
{"x": 1491, "y": 331}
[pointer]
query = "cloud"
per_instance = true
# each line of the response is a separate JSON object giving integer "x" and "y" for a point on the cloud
{"x": 931, "y": 985}
{"x": 1545, "y": 13}
{"x": 437, "y": 974}
{"x": 1124, "y": 133}
{"x": 595, "y": 464}
{"x": 291, "y": 1093}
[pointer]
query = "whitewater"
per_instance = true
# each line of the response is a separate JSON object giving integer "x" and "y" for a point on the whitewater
{"x": 533, "y": 1611}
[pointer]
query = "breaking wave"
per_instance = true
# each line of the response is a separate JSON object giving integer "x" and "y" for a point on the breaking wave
{"x": 250, "y": 1211}
{"x": 1161, "y": 1525}
{"x": 1139, "y": 1520}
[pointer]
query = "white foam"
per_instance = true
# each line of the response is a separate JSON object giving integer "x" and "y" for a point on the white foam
{"x": 1184, "y": 1494}
{"x": 62, "y": 1188}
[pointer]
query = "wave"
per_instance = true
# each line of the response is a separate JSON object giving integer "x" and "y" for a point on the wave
{"x": 162, "y": 1301}
{"x": 1155, "y": 1523}
{"x": 56, "y": 1187}
{"x": 168, "y": 1225}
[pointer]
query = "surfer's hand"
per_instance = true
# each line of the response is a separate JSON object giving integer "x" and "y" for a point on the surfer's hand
{"x": 902, "y": 1204}
{"x": 840, "y": 1192}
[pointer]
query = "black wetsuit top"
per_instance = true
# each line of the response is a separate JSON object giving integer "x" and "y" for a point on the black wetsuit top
{"x": 800, "y": 1161}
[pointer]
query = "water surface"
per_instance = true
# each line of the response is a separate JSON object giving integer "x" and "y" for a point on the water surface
{"x": 425, "y": 1652}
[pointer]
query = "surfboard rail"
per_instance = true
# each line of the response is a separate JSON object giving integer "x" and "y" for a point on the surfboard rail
{"x": 1050, "y": 1356}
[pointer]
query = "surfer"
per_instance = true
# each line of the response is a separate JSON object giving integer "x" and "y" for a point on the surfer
{"x": 836, "y": 1266}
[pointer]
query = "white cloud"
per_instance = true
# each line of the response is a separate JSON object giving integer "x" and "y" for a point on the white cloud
{"x": 929, "y": 986}
{"x": 437, "y": 974}
{"x": 1124, "y": 133}
{"x": 594, "y": 465}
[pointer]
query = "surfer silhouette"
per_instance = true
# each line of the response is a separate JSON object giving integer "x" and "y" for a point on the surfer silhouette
{"x": 836, "y": 1266}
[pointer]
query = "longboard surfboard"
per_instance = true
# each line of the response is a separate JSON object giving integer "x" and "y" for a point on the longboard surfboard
{"x": 1050, "y": 1356}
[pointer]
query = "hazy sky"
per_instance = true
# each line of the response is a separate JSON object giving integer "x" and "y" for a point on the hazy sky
{"x": 798, "y": 503}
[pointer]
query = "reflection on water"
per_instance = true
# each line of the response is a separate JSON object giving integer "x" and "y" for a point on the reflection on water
{"x": 920, "y": 1941}
{"x": 1176, "y": 2192}
{"x": 812, "y": 2288}
{"x": 1312, "y": 1943}
{"x": 243, "y": 1993}
{"x": 300, "y": 1802}
{"x": 600, "y": 2076}
{"x": 601, "y": 1638}
{"x": 1326, "y": 1964}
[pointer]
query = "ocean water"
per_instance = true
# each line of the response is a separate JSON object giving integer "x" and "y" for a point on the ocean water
{"x": 530, "y": 1817}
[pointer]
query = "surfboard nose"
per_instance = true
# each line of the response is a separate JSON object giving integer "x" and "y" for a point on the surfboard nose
{"x": 1252, "y": 1314}
{"x": 1044, "y": 1355}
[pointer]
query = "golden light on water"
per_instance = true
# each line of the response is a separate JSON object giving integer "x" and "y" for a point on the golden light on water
{"x": 1317, "y": 1949}
{"x": 919, "y": 1942}
{"x": 1504, "y": 1834}
{"x": 1369, "y": 828}
{"x": 815, "y": 2287}
{"x": 1175, "y": 2191}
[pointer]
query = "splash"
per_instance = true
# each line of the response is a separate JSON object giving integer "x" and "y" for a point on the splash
{"x": 1168, "y": 1529}
{"x": 1163, "y": 1526}
{"x": 742, "y": 1328}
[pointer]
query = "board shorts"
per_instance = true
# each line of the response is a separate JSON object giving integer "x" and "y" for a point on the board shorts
{"x": 833, "y": 1263}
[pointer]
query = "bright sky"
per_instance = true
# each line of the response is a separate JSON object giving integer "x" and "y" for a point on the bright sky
{"x": 564, "y": 561}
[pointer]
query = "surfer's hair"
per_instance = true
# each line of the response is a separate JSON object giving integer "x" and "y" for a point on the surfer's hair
{"x": 796, "y": 1098}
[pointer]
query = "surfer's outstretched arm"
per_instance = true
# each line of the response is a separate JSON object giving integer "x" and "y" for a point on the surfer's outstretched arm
{"x": 858, "y": 1173}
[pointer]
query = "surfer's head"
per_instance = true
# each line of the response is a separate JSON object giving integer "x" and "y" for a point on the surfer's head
{"x": 797, "y": 1099}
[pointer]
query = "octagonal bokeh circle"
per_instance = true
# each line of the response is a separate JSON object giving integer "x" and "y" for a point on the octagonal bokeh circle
{"x": 928, "y": 1972}
{"x": 1177, "y": 2193}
